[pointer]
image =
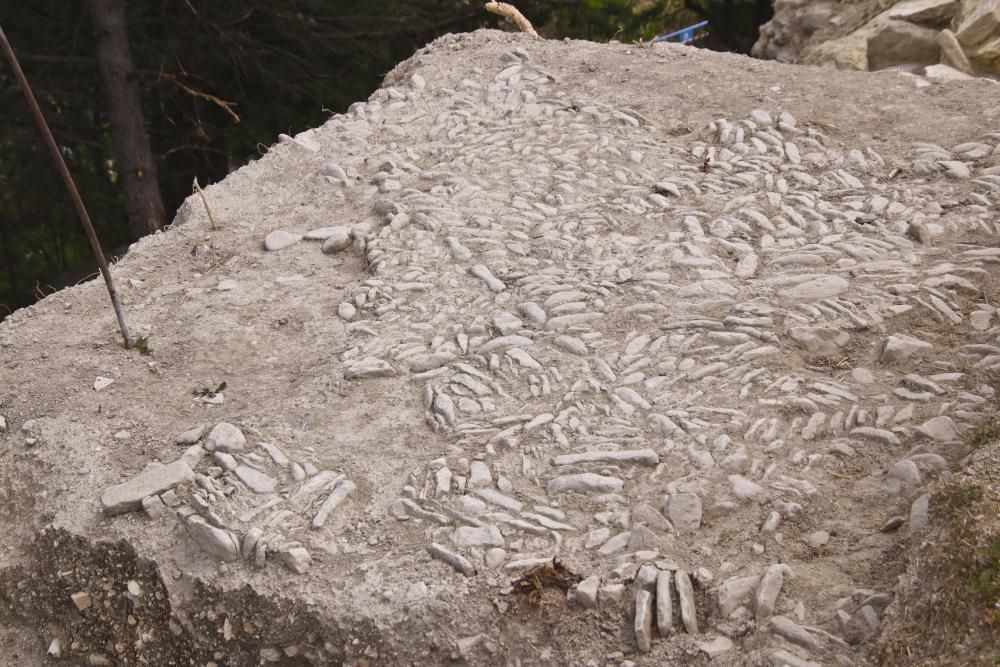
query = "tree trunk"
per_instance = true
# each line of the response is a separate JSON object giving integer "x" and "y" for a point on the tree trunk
{"x": 134, "y": 159}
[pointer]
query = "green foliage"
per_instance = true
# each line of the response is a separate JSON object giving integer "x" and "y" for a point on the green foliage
{"x": 983, "y": 579}
{"x": 985, "y": 433}
{"x": 964, "y": 495}
{"x": 219, "y": 79}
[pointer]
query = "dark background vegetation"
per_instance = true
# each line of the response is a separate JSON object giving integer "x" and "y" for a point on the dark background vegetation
{"x": 217, "y": 79}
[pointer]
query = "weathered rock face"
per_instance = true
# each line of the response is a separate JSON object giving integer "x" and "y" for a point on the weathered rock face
{"x": 902, "y": 44}
{"x": 634, "y": 324}
{"x": 979, "y": 35}
{"x": 916, "y": 36}
{"x": 785, "y": 36}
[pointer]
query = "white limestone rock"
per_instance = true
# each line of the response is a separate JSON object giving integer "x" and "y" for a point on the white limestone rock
{"x": 224, "y": 437}
{"x": 280, "y": 239}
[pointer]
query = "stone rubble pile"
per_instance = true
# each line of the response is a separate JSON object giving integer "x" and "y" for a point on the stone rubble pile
{"x": 631, "y": 345}
{"x": 243, "y": 504}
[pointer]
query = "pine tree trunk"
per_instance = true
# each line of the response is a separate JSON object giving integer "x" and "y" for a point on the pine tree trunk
{"x": 133, "y": 157}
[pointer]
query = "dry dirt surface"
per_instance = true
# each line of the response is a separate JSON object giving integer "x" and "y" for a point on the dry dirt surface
{"x": 701, "y": 328}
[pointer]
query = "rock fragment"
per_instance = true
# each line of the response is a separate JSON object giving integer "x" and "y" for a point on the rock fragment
{"x": 715, "y": 647}
{"x": 225, "y": 437}
{"x": 586, "y": 591}
{"x": 102, "y": 383}
{"x": 941, "y": 429}
{"x": 685, "y": 592}
{"x": 900, "y": 347}
{"x": 255, "y": 480}
{"x": 664, "y": 604}
{"x": 587, "y": 482}
{"x": 296, "y": 559}
{"x": 643, "y": 622}
{"x": 154, "y": 480}
{"x": 82, "y": 600}
{"x": 451, "y": 558}
{"x": 482, "y": 536}
{"x": 793, "y": 632}
{"x": 640, "y": 456}
{"x": 339, "y": 238}
{"x": 341, "y": 491}
{"x": 768, "y": 590}
{"x": 280, "y": 239}
{"x": 216, "y": 542}
{"x": 734, "y": 592}
{"x": 369, "y": 367}
{"x": 684, "y": 511}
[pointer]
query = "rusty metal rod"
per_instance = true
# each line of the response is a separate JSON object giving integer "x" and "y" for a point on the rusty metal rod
{"x": 74, "y": 194}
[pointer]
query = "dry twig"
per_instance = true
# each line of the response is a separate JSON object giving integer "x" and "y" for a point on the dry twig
{"x": 217, "y": 101}
{"x": 511, "y": 13}
{"x": 198, "y": 189}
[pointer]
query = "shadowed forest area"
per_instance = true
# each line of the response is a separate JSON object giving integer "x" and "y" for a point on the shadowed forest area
{"x": 145, "y": 97}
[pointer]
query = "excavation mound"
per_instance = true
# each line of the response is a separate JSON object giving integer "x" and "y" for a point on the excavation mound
{"x": 549, "y": 352}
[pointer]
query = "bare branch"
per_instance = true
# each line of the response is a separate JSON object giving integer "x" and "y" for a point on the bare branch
{"x": 511, "y": 13}
{"x": 219, "y": 102}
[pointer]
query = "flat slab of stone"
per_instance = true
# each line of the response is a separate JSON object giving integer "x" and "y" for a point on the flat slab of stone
{"x": 643, "y": 456}
{"x": 900, "y": 347}
{"x": 716, "y": 647}
{"x": 255, "y": 480}
{"x": 370, "y": 367}
{"x": 127, "y": 496}
{"x": 941, "y": 429}
{"x": 216, "y": 542}
{"x": 684, "y": 511}
{"x": 814, "y": 289}
{"x": 323, "y": 233}
{"x": 586, "y": 482}
{"x": 279, "y": 239}
{"x": 477, "y": 536}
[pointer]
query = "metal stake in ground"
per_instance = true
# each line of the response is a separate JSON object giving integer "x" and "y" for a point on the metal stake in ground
{"x": 57, "y": 157}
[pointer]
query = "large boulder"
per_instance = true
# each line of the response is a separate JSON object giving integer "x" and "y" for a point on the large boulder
{"x": 952, "y": 53}
{"x": 979, "y": 35}
{"x": 898, "y": 43}
{"x": 981, "y": 25}
{"x": 784, "y": 37}
{"x": 936, "y": 14}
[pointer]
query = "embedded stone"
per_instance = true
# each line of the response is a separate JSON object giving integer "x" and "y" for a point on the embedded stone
{"x": 685, "y": 592}
{"x": 338, "y": 239}
{"x": 664, "y": 603}
{"x": 586, "y": 592}
{"x": 296, "y": 559}
{"x": 941, "y": 429}
{"x": 217, "y": 542}
{"x": 716, "y": 647}
{"x": 280, "y": 239}
{"x": 225, "y": 438}
{"x": 154, "y": 480}
{"x": 819, "y": 340}
{"x": 584, "y": 483}
{"x": 684, "y": 510}
{"x": 743, "y": 488}
{"x": 793, "y": 632}
{"x": 900, "y": 347}
{"x": 902, "y": 43}
{"x": 814, "y": 289}
{"x": 473, "y": 536}
{"x": 734, "y": 592}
